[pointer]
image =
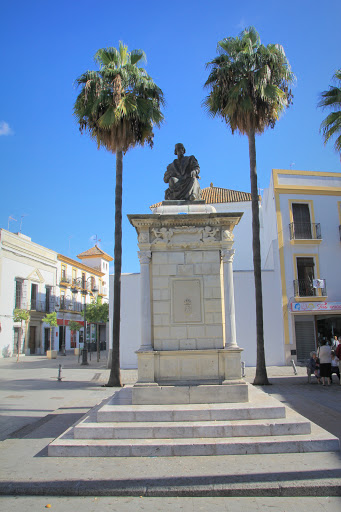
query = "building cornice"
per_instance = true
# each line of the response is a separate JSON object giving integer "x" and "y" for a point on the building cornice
{"x": 79, "y": 265}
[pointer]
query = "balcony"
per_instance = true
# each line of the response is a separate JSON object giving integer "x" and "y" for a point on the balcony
{"x": 65, "y": 280}
{"x": 69, "y": 306}
{"x": 42, "y": 306}
{"x": 305, "y": 231}
{"x": 308, "y": 288}
{"x": 75, "y": 285}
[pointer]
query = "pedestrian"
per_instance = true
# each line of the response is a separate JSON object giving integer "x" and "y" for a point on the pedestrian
{"x": 338, "y": 355}
{"x": 334, "y": 367}
{"x": 313, "y": 366}
{"x": 324, "y": 354}
{"x": 335, "y": 343}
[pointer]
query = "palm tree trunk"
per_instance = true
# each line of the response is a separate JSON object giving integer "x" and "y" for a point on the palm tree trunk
{"x": 261, "y": 377}
{"x": 115, "y": 374}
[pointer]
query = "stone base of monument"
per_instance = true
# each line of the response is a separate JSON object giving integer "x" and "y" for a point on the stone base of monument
{"x": 189, "y": 377}
{"x": 190, "y": 394}
{"x": 118, "y": 428}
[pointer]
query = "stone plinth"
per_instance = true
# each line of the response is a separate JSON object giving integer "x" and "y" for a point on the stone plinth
{"x": 187, "y": 303}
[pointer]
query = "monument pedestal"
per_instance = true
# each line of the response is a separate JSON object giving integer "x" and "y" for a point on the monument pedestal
{"x": 189, "y": 353}
{"x": 189, "y": 376}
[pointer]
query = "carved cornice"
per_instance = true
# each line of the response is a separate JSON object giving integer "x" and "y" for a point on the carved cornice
{"x": 185, "y": 236}
{"x": 226, "y": 221}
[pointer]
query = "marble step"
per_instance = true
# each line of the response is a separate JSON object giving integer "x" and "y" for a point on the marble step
{"x": 190, "y": 412}
{"x": 189, "y": 429}
{"x": 67, "y": 446}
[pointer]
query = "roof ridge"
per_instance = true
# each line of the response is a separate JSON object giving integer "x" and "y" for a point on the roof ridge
{"x": 214, "y": 195}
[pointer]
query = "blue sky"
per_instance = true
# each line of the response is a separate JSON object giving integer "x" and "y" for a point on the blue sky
{"x": 56, "y": 181}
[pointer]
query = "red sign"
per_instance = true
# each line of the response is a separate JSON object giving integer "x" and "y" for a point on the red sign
{"x": 66, "y": 322}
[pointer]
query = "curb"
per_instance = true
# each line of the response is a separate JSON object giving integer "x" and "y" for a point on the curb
{"x": 172, "y": 488}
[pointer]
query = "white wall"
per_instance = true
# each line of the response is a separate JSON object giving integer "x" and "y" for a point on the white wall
{"x": 328, "y": 251}
{"x": 245, "y": 317}
{"x": 130, "y": 332}
{"x": 19, "y": 258}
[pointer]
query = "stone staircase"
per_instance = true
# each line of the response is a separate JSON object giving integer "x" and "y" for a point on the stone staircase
{"x": 120, "y": 429}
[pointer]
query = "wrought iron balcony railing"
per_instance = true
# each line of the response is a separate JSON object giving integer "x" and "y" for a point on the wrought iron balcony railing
{"x": 305, "y": 288}
{"x": 64, "y": 279}
{"x": 305, "y": 231}
{"x": 73, "y": 307}
{"x": 43, "y": 306}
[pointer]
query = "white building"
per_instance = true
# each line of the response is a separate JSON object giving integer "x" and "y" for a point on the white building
{"x": 41, "y": 281}
{"x": 300, "y": 218}
{"x": 302, "y": 214}
{"x": 28, "y": 274}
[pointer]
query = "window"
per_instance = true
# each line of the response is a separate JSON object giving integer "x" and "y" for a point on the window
{"x": 18, "y": 293}
{"x": 63, "y": 272}
{"x": 47, "y": 298}
{"x": 74, "y": 276}
{"x": 305, "y": 277}
{"x": 62, "y": 300}
{"x": 34, "y": 290}
{"x": 302, "y": 224}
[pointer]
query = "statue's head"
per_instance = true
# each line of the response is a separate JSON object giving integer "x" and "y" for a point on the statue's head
{"x": 180, "y": 147}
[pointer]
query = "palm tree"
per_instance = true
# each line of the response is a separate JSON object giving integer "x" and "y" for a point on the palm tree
{"x": 118, "y": 106}
{"x": 249, "y": 88}
{"x": 332, "y": 124}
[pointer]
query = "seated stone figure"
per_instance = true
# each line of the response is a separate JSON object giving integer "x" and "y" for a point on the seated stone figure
{"x": 182, "y": 177}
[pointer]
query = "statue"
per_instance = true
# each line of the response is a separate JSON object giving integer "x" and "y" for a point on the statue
{"x": 182, "y": 176}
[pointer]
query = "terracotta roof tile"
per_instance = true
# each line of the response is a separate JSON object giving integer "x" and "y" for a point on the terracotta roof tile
{"x": 93, "y": 253}
{"x": 214, "y": 195}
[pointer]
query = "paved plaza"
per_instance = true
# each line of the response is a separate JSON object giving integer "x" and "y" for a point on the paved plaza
{"x": 36, "y": 408}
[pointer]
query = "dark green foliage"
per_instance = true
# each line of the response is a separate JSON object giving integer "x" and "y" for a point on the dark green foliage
{"x": 249, "y": 89}
{"x": 331, "y": 100}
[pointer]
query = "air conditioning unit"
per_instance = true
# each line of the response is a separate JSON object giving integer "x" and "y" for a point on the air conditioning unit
{"x": 319, "y": 283}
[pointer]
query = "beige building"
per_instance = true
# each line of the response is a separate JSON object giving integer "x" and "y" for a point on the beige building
{"x": 80, "y": 283}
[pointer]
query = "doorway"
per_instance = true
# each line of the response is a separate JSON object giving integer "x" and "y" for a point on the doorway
{"x": 61, "y": 337}
{"x": 305, "y": 337}
{"x": 46, "y": 339}
{"x": 328, "y": 326}
{"x": 302, "y": 225}
{"x": 32, "y": 340}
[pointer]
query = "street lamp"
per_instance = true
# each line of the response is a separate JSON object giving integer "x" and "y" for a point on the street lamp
{"x": 66, "y": 300}
{"x": 85, "y": 347}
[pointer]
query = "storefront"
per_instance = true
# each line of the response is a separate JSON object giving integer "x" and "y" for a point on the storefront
{"x": 313, "y": 322}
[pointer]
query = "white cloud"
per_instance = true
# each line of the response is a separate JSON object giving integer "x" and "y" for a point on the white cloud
{"x": 5, "y": 128}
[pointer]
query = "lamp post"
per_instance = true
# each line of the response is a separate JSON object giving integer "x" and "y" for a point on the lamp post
{"x": 56, "y": 308}
{"x": 66, "y": 300}
{"x": 85, "y": 347}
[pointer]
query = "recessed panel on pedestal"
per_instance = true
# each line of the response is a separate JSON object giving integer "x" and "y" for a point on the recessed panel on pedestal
{"x": 186, "y": 301}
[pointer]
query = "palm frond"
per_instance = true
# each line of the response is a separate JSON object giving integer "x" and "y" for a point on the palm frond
{"x": 118, "y": 104}
{"x": 331, "y": 99}
{"x": 248, "y": 82}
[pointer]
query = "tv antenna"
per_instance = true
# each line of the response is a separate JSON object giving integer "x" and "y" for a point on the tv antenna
{"x": 9, "y": 219}
{"x": 21, "y": 218}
